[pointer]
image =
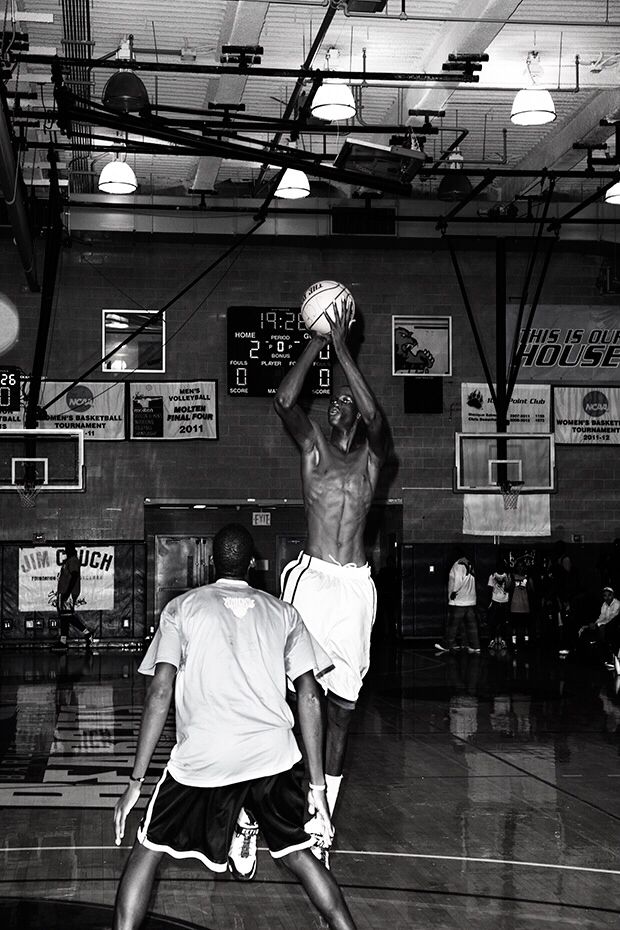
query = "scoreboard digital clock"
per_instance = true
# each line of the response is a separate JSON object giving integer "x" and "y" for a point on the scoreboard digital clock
{"x": 10, "y": 401}
{"x": 263, "y": 343}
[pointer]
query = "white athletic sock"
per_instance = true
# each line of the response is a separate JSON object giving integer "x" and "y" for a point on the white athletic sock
{"x": 245, "y": 819}
{"x": 332, "y": 783}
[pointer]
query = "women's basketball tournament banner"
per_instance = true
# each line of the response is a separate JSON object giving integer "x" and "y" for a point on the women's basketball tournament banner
{"x": 529, "y": 410}
{"x": 173, "y": 410}
{"x": 570, "y": 343}
{"x": 588, "y": 416}
{"x": 97, "y": 407}
{"x": 38, "y": 577}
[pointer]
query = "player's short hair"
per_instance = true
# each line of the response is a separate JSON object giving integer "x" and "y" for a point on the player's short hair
{"x": 233, "y": 549}
{"x": 70, "y": 549}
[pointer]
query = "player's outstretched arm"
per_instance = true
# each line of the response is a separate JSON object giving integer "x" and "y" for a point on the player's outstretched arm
{"x": 376, "y": 427}
{"x": 156, "y": 707}
{"x": 286, "y": 403}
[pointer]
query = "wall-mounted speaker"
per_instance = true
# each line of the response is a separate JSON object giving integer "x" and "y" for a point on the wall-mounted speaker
{"x": 423, "y": 395}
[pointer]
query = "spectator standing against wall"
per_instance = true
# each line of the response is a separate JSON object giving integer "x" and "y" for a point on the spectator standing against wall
{"x": 499, "y": 607}
{"x": 521, "y": 604}
{"x": 462, "y": 622}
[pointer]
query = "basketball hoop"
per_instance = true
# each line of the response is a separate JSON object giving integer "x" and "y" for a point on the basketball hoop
{"x": 28, "y": 493}
{"x": 510, "y": 492}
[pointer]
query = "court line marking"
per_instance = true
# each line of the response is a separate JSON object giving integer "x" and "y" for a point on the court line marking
{"x": 355, "y": 852}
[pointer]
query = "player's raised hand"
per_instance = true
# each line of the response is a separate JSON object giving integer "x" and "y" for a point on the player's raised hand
{"x": 341, "y": 317}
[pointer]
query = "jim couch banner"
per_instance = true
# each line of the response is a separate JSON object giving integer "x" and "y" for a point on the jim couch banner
{"x": 570, "y": 343}
{"x": 529, "y": 410}
{"x": 173, "y": 410}
{"x": 38, "y": 577}
{"x": 588, "y": 416}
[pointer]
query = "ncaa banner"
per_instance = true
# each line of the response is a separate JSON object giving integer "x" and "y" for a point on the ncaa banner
{"x": 38, "y": 577}
{"x": 587, "y": 415}
{"x": 173, "y": 410}
{"x": 97, "y": 407}
{"x": 569, "y": 343}
{"x": 529, "y": 410}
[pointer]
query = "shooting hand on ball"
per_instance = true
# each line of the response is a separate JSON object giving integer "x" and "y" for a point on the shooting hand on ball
{"x": 341, "y": 318}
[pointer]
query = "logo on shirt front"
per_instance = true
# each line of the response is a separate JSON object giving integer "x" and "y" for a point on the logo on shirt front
{"x": 239, "y": 605}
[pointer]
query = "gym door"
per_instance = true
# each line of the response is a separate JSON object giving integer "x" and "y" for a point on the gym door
{"x": 181, "y": 563}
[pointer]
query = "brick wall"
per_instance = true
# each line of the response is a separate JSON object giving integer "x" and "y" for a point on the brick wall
{"x": 253, "y": 456}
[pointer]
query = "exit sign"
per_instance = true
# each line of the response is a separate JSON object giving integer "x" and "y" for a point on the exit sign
{"x": 262, "y": 518}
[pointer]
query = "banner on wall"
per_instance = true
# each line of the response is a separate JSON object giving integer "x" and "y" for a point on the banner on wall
{"x": 97, "y": 407}
{"x": 485, "y": 515}
{"x": 422, "y": 346}
{"x": 587, "y": 415}
{"x": 173, "y": 410}
{"x": 570, "y": 343}
{"x": 38, "y": 575}
{"x": 529, "y": 410}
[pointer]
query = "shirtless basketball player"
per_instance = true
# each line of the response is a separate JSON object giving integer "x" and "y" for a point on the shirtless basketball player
{"x": 329, "y": 583}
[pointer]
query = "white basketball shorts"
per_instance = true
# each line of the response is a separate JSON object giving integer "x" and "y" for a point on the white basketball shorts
{"x": 338, "y": 604}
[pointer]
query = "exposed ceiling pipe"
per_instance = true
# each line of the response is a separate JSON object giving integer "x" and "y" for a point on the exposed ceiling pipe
{"x": 404, "y": 17}
{"x": 12, "y": 184}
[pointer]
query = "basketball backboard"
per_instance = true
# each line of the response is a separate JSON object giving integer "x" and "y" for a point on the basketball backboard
{"x": 50, "y": 459}
{"x": 484, "y": 462}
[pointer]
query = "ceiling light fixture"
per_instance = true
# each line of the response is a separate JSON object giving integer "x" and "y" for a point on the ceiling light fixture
{"x": 455, "y": 184}
{"x": 293, "y": 185}
{"x": 533, "y": 106}
{"x": 612, "y": 195}
{"x": 117, "y": 177}
{"x": 333, "y": 101}
{"x": 124, "y": 92}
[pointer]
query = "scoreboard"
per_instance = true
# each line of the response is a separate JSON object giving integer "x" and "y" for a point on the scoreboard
{"x": 10, "y": 401}
{"x": 262, "y": 344}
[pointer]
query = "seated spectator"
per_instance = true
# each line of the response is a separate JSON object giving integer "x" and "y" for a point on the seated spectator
{"x": 605, "y": 630}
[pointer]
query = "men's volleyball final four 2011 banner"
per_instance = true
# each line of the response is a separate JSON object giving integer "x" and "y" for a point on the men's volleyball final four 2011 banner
{"x": 173, "y": 410}
{"x": 569, "y": 343}
{"x": 38, "y": 577}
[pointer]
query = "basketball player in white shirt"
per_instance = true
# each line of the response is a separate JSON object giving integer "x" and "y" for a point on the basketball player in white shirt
{"x": 225, "y": 651}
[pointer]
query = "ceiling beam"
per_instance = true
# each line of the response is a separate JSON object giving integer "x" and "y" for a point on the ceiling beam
{"x": 483, "y": 20}
{"x": 243, "y": 24}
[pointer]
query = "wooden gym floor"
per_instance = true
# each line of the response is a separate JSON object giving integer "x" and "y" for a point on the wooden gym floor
{"x": 480, "y": 793}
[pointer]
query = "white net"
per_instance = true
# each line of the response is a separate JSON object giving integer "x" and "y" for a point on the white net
{"x": 28, "y": 493}
{"x": 510, "y": 492}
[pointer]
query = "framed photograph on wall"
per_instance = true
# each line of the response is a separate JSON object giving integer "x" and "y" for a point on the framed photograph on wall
{"x": 422, "y": 346}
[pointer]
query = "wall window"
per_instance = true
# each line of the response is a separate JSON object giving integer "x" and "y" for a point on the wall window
{"x": 145, "y": 351}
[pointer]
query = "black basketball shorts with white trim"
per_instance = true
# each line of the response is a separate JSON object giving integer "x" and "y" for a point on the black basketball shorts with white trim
{"x": 189, "y": 822}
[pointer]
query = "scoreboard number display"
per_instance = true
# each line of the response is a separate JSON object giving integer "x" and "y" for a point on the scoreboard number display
{"x": 263, "y": 343}
{"x": 10, "y": 401}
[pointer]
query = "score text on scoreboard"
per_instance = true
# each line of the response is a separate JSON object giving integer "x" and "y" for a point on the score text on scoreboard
{"x": 263, "y": 343}
{"x": 10, "y": 401}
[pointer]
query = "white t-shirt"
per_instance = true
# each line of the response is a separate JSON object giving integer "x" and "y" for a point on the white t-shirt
{"x": 464, "y": 584}
{"x": 498, "y": 582}
{"x": 233, "y": 646}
